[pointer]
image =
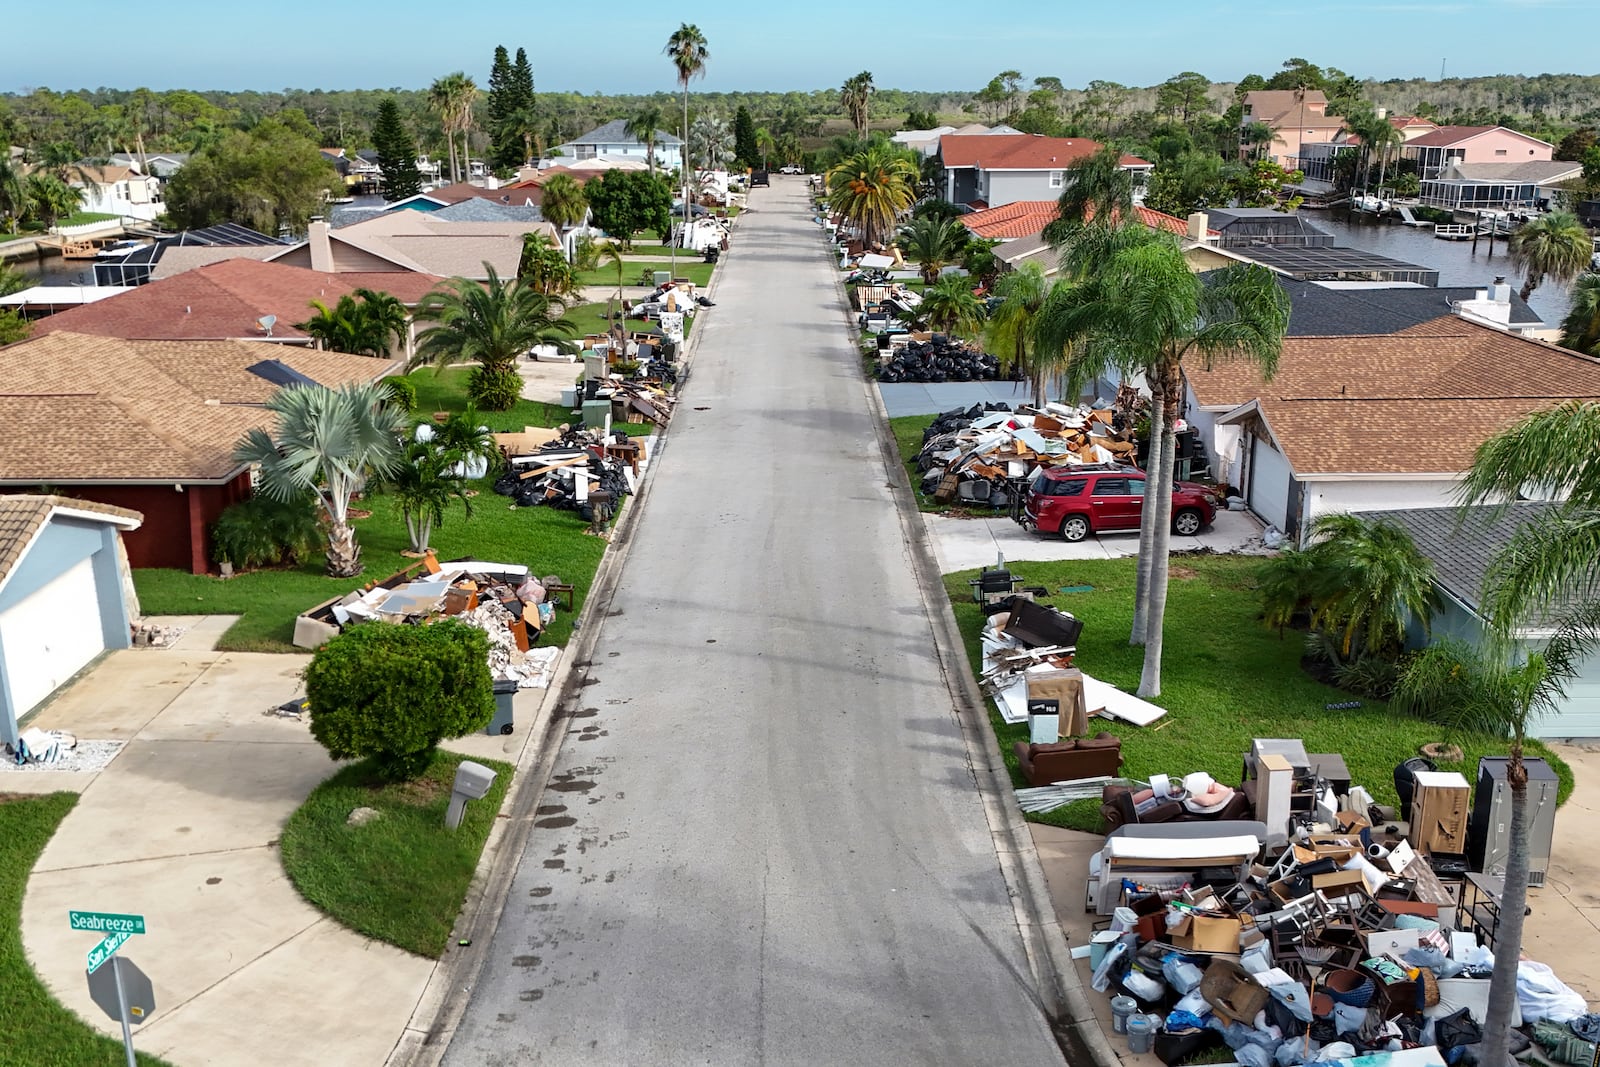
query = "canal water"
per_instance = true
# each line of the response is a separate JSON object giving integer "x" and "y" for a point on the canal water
{"x": 1454, "y": 260}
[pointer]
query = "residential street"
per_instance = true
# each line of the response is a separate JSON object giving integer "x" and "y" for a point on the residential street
{"x": 761, "y": 842}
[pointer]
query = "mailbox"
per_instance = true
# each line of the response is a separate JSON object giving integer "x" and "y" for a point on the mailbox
{"x": 473, "y": 782}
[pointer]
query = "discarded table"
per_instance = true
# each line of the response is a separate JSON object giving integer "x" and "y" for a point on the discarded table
{"x": 1479, "y": 908}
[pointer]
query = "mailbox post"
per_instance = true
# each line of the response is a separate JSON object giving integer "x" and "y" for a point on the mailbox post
{"x": 473, "y": 782}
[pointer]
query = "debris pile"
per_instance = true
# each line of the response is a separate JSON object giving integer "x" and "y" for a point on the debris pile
{"x": 574, "y": 470}
{"x": 987, "y": 453}
{"x": 938, "y": 359}
{"x": 155, "y": 635}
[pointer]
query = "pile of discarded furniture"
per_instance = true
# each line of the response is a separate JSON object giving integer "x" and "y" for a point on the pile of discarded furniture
{"x": 987, "y": 454}
{"x": 584, "y": 470}
{"x": 502, "y": 599}
{"x": 1293, "y": 920}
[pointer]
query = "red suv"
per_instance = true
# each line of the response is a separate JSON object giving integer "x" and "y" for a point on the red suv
{"x": 1078, "y": 501}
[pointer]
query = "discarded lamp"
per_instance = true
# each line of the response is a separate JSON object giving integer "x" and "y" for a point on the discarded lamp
{"x": 473, "y": 782}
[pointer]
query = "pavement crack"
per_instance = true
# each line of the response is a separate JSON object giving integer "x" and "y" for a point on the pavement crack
{"x": 168, "y": 1013}
{"x": 150, "y": 859}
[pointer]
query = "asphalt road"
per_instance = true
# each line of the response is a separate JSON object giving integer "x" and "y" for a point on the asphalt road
{"x": 762, "y": 843}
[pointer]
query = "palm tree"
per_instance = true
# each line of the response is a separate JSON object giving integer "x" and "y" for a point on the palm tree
{"x": 931, "y": 243}
{"x": 1580, "y": 330}
{"x": 13, "y": 198}
{"x": 365, "y": 323}
{"x": 327, "y": 442}
{"x": 423, "y": 487}
{"x": 765, "y": 144}
{"x": 50, "y": 198}
{"x": 562, "y": 202}
{"x": 522, "y": 121}
{"x": 491, "y": 324}
{"x": 644, "y": 125}
{"x": 1142, "y": 309}
{"x": 335, "y": 329}
{"x": 789, "y": 148}
{"x": 544, "y": 267}
{"x": 451, "y": 97}
{"x": 1096, "y": 191}
{"x": 1556, "y": 246}
{"x": 1372, "y": 581}
{"x": 687, "y": 50}
{"x": 387, "y": 323}
{"x": 872, "y": 189}
{"x": 712, "y": 141}
{"x": 1010, "y": 335}
{"x": 855, "y": 96}
{"x": 950, "y": 306}
{"x": 611, "y": 253}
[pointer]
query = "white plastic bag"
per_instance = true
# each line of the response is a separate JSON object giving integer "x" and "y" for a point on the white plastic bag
{"x": 1542, "y": 995}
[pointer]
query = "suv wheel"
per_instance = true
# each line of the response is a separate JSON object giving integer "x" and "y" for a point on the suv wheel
{"x": 1187, "y": 522}
{"x": 1074, "y": 528}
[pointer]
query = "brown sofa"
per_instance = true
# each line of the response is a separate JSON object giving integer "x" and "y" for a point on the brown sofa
{"x": 1067, "y": 761}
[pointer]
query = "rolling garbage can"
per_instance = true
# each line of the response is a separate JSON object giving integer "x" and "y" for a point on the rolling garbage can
{"x": 504, "y": 693}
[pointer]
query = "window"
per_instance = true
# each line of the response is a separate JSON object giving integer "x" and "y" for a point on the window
{"x": 1055, "y": 179}
{"x": 1111, "y": 487}
{"x": 1499, "y": 151}
{"x": 1044, "y": 485}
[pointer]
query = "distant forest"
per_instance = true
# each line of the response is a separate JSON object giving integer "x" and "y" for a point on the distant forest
{"x": 1200, "y": 113}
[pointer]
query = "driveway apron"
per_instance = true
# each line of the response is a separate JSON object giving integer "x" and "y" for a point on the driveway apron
{"x": 761, "y": 842}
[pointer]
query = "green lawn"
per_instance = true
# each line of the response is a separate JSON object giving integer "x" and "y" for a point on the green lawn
{"x": 447, "y": 391}
{"x": 691, "y": 268}
{"x": 907, "y": 430}
{"x": 402, "y": 877}
{"x": 83, "y": 218}
{"x": 591, "y": 318}
{"x": 35, "y": 1030}
{"x": 1225, "y": 677}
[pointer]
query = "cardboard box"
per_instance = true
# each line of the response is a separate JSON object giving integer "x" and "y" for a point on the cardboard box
{"x": 1206, "y": 933}
{"x": 1338, "y": 883}
{"x": 1439, "y": 812}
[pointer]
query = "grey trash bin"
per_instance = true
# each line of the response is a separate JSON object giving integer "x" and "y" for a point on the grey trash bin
{"x": 504, "y": 693}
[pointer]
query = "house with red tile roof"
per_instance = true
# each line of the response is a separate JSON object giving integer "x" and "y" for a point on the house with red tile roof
{"x": 1294, "y": 119}
{"x": 1002, "y": 169}
{"x": 230, "y": 301}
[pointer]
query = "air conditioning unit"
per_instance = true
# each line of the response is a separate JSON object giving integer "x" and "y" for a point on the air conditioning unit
{"x": 1489, "y": 831}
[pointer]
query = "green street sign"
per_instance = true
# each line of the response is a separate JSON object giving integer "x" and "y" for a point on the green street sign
{"x": 103, "y": 922}
{"x": 102, "y": 953}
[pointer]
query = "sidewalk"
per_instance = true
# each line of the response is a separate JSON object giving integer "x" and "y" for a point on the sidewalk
{"x": 182, "y": 827}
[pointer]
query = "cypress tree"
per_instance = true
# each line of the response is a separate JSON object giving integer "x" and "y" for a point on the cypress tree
{"x": 397, "y": 152}
{"x": 744, "y": 138}
{"x": 522, "y": 80}
{"x": 502, "y": 151}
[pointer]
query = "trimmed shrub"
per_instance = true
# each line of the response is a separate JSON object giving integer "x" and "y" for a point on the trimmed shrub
{"x": 494, "y": 388}
{"x": 402, "y": 392}
{"x": 263, "y": 532}
{"x": 394, "y": 692}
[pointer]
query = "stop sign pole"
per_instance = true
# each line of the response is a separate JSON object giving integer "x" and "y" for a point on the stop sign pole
{"x": 117, "y": 929}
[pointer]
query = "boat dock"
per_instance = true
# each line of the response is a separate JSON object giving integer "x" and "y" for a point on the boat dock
{"x": 1455, "y": 231}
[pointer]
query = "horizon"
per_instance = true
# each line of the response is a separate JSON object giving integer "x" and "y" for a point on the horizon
{"x": 1238, "y": 38}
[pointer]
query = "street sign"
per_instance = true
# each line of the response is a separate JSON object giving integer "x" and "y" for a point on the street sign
{"x": 103, "y": 922}
{"x": 136, "y": 988}
{"x": 105, "y": 950}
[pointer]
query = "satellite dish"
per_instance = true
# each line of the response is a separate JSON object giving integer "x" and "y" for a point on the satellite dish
{"x": 267, "y": 322}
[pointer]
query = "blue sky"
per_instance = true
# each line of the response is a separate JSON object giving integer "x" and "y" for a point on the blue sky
{"x": 934, "y": 44}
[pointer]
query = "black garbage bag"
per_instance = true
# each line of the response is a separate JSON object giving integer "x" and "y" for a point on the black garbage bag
{"x": 1454, "y": 1032}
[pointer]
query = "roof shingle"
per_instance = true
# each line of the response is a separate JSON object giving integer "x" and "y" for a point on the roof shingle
{"x": 22, "y": 516}
{"x": 1020, "y": 151}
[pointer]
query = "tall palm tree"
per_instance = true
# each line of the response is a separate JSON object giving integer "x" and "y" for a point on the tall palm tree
{"x": 765, "y": 144}
{"x": 644, "y": 124}
{"x": 689, "y": 54}
{"x": 466, "y": 93}
{"x": 451, "y": 98}
{"x": 931, "y": 243}
{"x": 1095, "y": 191}
{"x": 13, "y": 199}
{"x": 492, "y": 325}
{"x": 522, "y": 121}
{"x": 1010, "y": 335}
{"x": 872, "y": 189}
{"x": 1555, "y": 246}
{"x": 562, "y": 202}
{"x": 1548, "y": 576}
{"x": 712, "y": 140}
{"x": 949, "y": 305}
{"x": 855, "y": 96}
{"x": 327, "y": 442}
{"x": 1140, "y": 308}
{"x": 1580, "y": 330}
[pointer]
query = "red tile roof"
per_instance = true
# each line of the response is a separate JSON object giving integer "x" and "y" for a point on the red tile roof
{"x": 1020, "y": 151}
{"x": 1024, "y": 218}
{"x": 224, "y": 300}
{"x": 1448, "y": 135}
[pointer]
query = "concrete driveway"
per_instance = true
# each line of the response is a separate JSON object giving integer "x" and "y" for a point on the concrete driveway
{"x": 961, "y": 544}
{"x": 182, "y": 827}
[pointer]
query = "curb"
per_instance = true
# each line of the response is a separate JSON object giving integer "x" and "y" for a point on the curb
{"x": 444, "y": 999}
{"x": 1057, "y": 986}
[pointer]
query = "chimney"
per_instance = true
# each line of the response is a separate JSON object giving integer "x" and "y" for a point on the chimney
{"x": 1383, "y": 112}
{"x": 1199, "y": 224}
{"x": 321, "y": 248}
{"x": 1500, "y": 291}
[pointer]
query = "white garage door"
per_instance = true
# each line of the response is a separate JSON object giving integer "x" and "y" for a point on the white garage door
{"x": 1269, "y": 483}
{"x": 50, "y": 636}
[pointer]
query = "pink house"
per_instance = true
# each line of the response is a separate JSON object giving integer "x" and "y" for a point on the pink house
{"x": 1295, "y": 120}
{"x": 1439, "y": 149}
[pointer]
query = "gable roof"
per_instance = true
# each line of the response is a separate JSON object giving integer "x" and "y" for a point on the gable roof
{"x": 91, "y": 409}
{"x": 1318, "y": 311}
{"x": 1035, "y": 247}
{"x": 1462, "y": 542}
{"x": 1446, "y": 136}
{"x": 225, "y": 300}
{"x": 1413, "y": 403}
{"x": 452, "y": 249}
{"x": 1277, "y": 106}
{"x": 615, "y": 132}
{"x": 1019, "y": 151}
{"x": 23, "y": 516}
{"x": 1022, "y": 218}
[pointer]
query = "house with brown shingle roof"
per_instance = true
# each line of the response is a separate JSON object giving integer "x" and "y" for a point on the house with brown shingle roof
{"x": 150, "y": 425}
{"x": 1364, "y": 423}
{"x": 418, "y": 242}
{"x": 1000, "y": 169}
{"x": 65, "y": 595}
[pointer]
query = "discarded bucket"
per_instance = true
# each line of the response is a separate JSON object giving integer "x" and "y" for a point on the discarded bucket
{"x": 1141, "y": 1033}
{"x": 1123, "y": 920}
{"x": 1099, "y": 945}
{"x": 1122, "y": 1008}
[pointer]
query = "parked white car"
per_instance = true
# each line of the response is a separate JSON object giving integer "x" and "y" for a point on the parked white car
{"x": 792, "y": 168}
